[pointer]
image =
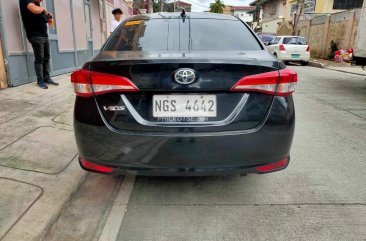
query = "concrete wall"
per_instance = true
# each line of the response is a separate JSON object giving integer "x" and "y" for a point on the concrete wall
{"x": 340, "y": 27}
{"x": 271, "y": 26}
{"x": 274, "y": 9}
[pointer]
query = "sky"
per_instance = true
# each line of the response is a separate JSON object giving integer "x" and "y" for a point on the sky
{"x": 203, "y": 5}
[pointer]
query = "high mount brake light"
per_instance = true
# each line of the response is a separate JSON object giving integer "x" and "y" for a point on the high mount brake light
{"x": 279, "y": 83}
{"x": 86, "y": 83}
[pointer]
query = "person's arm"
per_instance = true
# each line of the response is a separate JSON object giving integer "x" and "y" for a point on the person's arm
{"x": 35, "y": 9}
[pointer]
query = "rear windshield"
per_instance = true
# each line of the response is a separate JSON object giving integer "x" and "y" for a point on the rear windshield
{"x": 266, "y": 38}
{"x": 179, "y": 35}
{"x": 294, "y": 40}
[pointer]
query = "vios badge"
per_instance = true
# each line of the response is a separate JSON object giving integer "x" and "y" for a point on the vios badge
{"x": 114, "y": 108}
{"x": 185, "y": 76}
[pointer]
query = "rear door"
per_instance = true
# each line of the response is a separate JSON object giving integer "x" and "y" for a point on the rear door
{"x": 149, "y": 53}
{"x": 273, "y": 45}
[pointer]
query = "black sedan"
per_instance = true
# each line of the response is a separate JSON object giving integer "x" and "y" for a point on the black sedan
{"x": 184, "y": 94}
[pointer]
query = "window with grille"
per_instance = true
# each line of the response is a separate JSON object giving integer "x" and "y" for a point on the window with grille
{"x": 347, "y": 4}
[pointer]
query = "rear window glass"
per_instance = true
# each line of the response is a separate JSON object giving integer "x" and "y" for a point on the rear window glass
{"x": 294, "y": 40}
{"x": 266, "y": 38}
{"x": 179, "y": 35}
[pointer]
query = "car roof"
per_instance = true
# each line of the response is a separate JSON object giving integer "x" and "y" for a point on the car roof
{"x": 261, "y": 33}
{"x": 289, "y": 36}
{"x": 204, "y": 15}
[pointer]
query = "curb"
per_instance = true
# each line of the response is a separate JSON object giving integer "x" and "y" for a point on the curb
{"x": 322, "y": 66}
{"x": 348, "y": 72}
{"x": 316, "y": 65}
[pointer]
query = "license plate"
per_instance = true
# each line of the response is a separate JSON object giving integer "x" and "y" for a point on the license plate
{"x": 295, "y": 55}
{"x": 184, "y": 106}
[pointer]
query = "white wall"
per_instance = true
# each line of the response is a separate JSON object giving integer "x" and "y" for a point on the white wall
{"x": 244, "y": 16}
{"x": 64, "y": 25}
{"x": 270, "y": 26}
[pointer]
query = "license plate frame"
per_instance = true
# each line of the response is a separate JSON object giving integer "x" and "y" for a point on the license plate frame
{"x": 178, "y": 105}
{"x": 295, "y": 56}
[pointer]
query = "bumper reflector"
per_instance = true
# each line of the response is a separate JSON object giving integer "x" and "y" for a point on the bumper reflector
{"x": 281, "y": 164}
{"x": 95, "y": 167}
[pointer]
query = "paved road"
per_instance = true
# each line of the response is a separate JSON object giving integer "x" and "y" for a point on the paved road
{"x": 321, "y": 196}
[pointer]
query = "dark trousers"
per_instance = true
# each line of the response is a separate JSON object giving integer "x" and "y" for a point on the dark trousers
{"x": 41, "y": 49}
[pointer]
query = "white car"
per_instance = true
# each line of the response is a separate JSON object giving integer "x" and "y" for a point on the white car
{"x": 290, "y": 49}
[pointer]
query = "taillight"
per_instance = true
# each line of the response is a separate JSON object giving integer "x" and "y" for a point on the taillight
{"x": 280, "y": 83}
{"x": 282, "y": 47}
{"x": 308, "y": 49}
{"x": 95, "y": 167}
{"x": 274, "y": 166}
{"x": 88, "y": 82}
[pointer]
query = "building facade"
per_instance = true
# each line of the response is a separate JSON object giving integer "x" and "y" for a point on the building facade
{"x": 244, "y": 13}
{"x": 81, "y": 27}
{"x": 333, "y": 6}
{"x": 180, "y": 5}
{"x": 274, "y": 12}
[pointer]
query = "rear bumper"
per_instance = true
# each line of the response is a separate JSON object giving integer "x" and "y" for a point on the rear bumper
{"x": 186, "y": 153}
{"x": 283, "y": 56}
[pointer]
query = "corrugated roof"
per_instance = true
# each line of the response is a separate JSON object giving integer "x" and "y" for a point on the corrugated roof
{"x": 258, "y": 2}
{"x": 244, "y": 8}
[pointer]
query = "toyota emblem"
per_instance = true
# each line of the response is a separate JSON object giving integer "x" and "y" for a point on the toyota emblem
{"x": 185, "y": 76}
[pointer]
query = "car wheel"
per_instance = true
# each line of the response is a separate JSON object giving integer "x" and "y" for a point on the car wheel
{"x": 303, "y": 63}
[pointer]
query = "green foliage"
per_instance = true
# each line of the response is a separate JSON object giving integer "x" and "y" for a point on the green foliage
{"x": 333, "y": 48}
{"x": 217, "y": 7}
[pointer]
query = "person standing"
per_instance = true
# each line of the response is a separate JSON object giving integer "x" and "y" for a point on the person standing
{"x": 35, "y": 19}
{"x": 117, "y": 13}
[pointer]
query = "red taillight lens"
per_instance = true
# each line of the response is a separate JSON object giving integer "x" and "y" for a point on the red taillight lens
{"x": 282, "y": 47}
{"x": 308, "y": 49}
{"x": 280, "y": 83}
{"x": 88, "y": 82}
{"x": 281, "y": 164}
{"x": 95, "y": 167}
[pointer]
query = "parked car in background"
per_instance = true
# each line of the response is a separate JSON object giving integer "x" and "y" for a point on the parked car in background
{"x": 266, "y": 37}
{"x": 168, "y": 95}
{"x": 290, "y": 49}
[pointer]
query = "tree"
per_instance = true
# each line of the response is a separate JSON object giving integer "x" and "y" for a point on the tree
{"x": 137, "y": 5}
{"x": 299, "y": 13}
{"x": 217, "y": 7}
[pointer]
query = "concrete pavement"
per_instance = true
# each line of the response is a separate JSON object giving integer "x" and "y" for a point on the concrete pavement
{"x": 38, "y": 169}
{"x": 321, "y": 196}
{"x": 340, "y": 67}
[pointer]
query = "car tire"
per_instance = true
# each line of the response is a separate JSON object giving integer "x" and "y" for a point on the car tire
{"x": 286, "y": 62}
{"x": 303, "y": 63}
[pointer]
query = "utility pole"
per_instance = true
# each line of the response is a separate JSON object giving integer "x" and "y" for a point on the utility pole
{"x": 298, "y": 14}
{"x": 174, "y": 6}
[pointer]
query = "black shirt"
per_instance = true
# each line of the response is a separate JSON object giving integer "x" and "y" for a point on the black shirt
{"x": 34, "y": 24}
